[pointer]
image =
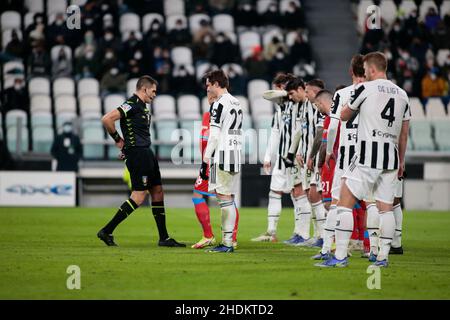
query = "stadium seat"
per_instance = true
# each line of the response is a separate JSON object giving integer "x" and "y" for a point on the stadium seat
{"x": 362, "y": 7}
{"x": 164, "y": 132}
{"x": 417, "y": 111}
{"x": 445, "y": 8}
{"x": 113, "y": 101}
{"x": 442, "y": 134}
{"x": 12, "y": 70}
{"x": 420, "y": 131}
{"x": 93, "y": 141}
{"x": 388, "y": 11}
{"x": 171, "y": 21}
{"x": 13, "y": 138}
{"x": 148, "y": 19}
{"x": 131, "y": 87}
{"x": 63, "y": 86}
{"x": 14, "y": 117}
{"x": 88, "y": 86}
{"x": 7, "y": 36}
{"x": 290, "y": 38}
{"x": 442, "y": 56}
{"x": 284, "y": 5}
{"x": 223, "y": 23}
{"x": 261, "y": 108}
{"x": 269, "y": 35}
{"x": 236, "y": 67}
{"x": 64, "y": 117}
{"x": 202, "y": 68}
{"x": 79, "y": 3}
{"x": 194, "y": 21}
{"x": 173, "y": 7}
{"x": 34, "y": 6}
{"x": 247, "y": 41}
{"x": 65, "y": 103}
{"x": 41, "y": 119}
{"x": 181, "y": 56}
{"x": 190, "y": 129}
{"x": 43, "y": 137}
{"x": 39, "y": 85}
{"x": 56, "y": 6}
{"x": 163, "y": 105}
{"x": 40, "y": 103}
{"x": 263, "y": 5}
{"x": 426, "y": 4}
{"x": 407, "y": 6}
{"x": 126, "y": 35}
{"x": 28, "y": 19}
{"x": 435, "y": 109}
{"x": 90, "y": 104}
{"x": 188, "y": 107}
{"x": 129, "y": 22}
{"x": 256, "y": 88}
{"x": 54, "y": 52}
{"x": 10, "y": 20}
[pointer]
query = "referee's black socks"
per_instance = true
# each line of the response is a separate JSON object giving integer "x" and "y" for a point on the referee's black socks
{"x": 124, "y": 211}
{"x": 160, "y": 218}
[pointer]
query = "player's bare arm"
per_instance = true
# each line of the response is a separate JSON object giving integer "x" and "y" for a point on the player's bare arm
{"x": 108, "y": 121}
{"x": 402, "y": 143}
{"x": 315, "y": 147}
{"x": 347, "y": 113}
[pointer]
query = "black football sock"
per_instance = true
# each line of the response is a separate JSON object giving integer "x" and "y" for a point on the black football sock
{"x": 160, "y": 218}
{"x": 124, "y": 211}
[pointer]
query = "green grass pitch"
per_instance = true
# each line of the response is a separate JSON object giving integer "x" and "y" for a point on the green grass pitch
{"x": 38, "y": 244}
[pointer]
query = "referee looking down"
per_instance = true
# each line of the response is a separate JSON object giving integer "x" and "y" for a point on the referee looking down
{"x": 145, "y": 176}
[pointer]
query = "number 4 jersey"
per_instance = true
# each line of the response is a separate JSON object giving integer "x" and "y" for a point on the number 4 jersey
{"x": 382, "y": 106}
{"x": 226, "y": 114}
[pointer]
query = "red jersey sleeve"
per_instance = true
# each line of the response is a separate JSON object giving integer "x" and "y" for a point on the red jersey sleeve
{"x": 204, "y": 133}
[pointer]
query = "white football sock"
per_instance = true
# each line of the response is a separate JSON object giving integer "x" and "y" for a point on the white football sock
{"x": 344, "y": 229}
{"x": 320, "y": 214}
{"x": 387, "y": 231}
{"x": 303, "y": 211}
{"x": 398, "y": 215}
{"x": 297, "y": 210}
{"x": 228, "y": 211}
{"x": 274, "y": 212}
{"x": 373, "y": 227}
{"x": 328, "y": 232}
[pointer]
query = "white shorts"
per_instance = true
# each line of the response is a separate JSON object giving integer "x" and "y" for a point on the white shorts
{"x": 223, "y": 182}
{"x": 398, "y": 192}
{"x": 297, "y": 174}
{"x": 316, "y": 179}
{"x": 336, "y": 185}
{"x": 363, "y": 180}
{"x": 308, "y": 178}
{"x": 282, "y": 180}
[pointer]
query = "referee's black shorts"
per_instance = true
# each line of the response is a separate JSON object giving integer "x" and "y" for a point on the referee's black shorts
{"x": 143, "y": 168}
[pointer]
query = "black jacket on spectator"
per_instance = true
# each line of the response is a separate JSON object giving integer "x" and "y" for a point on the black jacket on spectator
{"x": 66, "y": 149}
{"x": 224, "y": 52}
{"x": 16, "y": 99}
{"x": 6, "y": 161}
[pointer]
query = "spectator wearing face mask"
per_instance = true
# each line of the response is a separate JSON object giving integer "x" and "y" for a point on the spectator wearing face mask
{"x": 279, "y": 63}
{"x": 156, "y": 34}
{"x": 183, "y": 80}
{"x": 246, "y": 15}
{"x": 236, "y": 79}
{"x": 162, "y": 65}
{"x": 130, "y": 46}
{"x": 180, "y": 35}
{"x": 108, "y": 61}
{"x": 57, "y": 28}
{"x": 224, "y": 51}
{"x": 300, "y": 50}
{"x": 16, "y": 97}
{"x": 36, "y": 30}
{"x": 109, "y": 40}
{"x": 433, "y": 85}
{"x": 273, "y": 47}
{"x": 271, "y": 16}
{"x": 62, "y": 66}
{"x": 87, "y": 66}
{"x": 255, "y": 65}
{"x": 432, "y": 19}
{"x": 66, "y": 150}
{"x": 113, "y": 81}
{"x": 203, "y": 42}
{"x": 398, "y": 36}
{"x": 38, "y": 61}
{"x": 89, "y": 43}
{"x": 294, "y": 17}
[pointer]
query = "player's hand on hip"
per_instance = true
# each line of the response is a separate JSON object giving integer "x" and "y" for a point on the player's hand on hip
{"x": 328, "y": 158}
{"x": 120, "y": 144}
{"x": 309, "y": 164}
{"x": 401, "y": 171}
{"x": 204, "y": 171}
{"x": 289, "y": 160}
{"x": 267, "y": 166}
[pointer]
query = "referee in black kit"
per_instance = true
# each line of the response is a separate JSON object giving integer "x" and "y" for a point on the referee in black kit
{"x": 144, "y": 169}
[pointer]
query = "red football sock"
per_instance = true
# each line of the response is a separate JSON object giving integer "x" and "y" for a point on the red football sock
{"x": 361, "y": 220}
{"x": 355, "y": 226}
{"x": 235, "y": 230}
{"x": 202, "y": 212}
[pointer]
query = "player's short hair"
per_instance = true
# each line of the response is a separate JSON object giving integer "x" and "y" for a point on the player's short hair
{"x": 218, "y": 76}
{"x": 295, "y": 84}
{"x": 282, "y": 78}
{"x": 324, "y": 94}
{"x": 145, "y": 82}
{"x": 319, "y": 83}
{"x": 376, "y": 59}
{"x": 357, "y": 65}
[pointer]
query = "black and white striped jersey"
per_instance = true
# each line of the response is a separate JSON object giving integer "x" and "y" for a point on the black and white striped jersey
{"x": 310, "y": 120}
{"x": 382, "y": 106}
{"x": 348, "y": 129}
{"x": 227, "y": 115}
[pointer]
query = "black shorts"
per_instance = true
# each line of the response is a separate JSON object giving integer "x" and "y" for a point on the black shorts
{"x": 143, "y": 167}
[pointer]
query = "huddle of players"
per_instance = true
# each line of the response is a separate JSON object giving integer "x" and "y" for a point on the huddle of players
{"x": 344, "y": 148}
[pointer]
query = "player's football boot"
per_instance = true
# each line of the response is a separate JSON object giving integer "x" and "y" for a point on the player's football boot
{"x": 292, "y": 240}
{"x": 316, "y": 242}
{"x": 235, "y": 245}
{"x": 333, "y": 263}
{"x": 382, "y": 264}
{"x": 108, "y": 239}
{"x": 372, "y": 257}
{"x": 321, "y": 256}
{"x": 266, "y": 237}
{"x": 169, "y": 242}
{"x": 204, "y": 242}
{"x": 300, "y": 242}
{"x": 398, "y": 250}
{"x": 222, "y": 249}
